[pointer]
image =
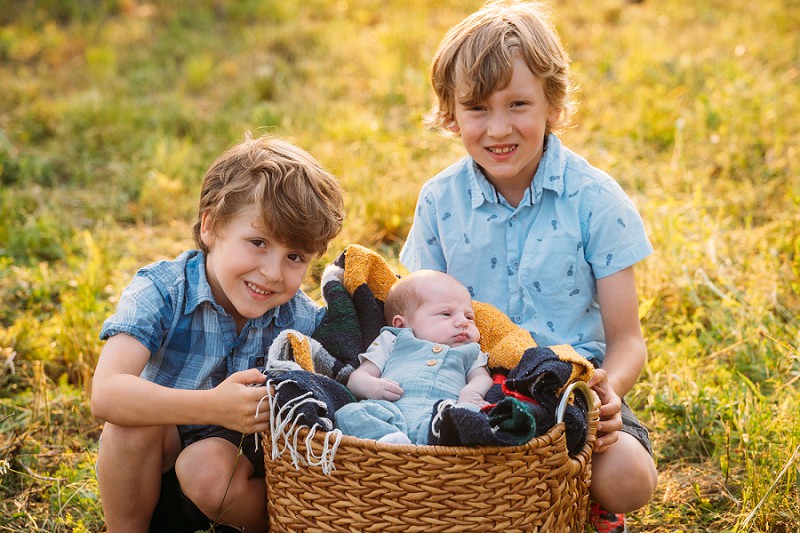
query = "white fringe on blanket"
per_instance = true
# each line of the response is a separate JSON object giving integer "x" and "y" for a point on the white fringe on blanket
{"x": 437, "y": 418}
{"x": 284, "y": 424}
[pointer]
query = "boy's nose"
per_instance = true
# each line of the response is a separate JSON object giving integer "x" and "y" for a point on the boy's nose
{"x": 270, "y": 268}
{"x": 499, "y": 125}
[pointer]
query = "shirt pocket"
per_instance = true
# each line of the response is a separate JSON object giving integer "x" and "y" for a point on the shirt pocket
{"x": 549, "y": 267}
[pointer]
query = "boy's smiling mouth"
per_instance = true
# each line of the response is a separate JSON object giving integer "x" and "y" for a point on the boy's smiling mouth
{"x": 502, "y": 149}
{"x": 256, "y": 290}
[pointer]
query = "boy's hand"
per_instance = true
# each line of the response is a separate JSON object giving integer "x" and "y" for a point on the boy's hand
{"x": 237, "y": 399}
{"x": 610, "y": 405}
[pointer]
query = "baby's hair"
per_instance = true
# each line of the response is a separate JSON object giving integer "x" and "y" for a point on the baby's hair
{"x": 299, "y": 203}
{"x": 407, "y": 293}
{"x": 480, "y": 52}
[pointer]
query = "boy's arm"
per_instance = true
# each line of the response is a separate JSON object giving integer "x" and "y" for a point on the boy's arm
{"x": 478, "y": 384}
{"x": 366, "y": 383}
{"x": 626, "y": 351}
{"x": 121, "y": 397}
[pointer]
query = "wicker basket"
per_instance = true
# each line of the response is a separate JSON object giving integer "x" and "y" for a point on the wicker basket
{"x": 405, "y": 488}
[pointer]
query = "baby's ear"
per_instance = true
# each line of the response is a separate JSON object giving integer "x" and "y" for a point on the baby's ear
{"x": 398, "y": 321}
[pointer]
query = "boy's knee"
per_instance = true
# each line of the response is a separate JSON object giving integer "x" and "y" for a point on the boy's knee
{"x": 624, "y": 478}
{"x": 132, "y": 439}
{"x": 637, "y": 487}
{"x": 160, "y": 444}
{"x": 205, "y": 473}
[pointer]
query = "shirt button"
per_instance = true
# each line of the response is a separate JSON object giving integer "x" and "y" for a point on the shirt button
{"x": 432, "y": 362}
{"x": 436, "y": 348}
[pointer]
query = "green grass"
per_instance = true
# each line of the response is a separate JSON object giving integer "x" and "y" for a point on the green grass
{"x": 111, "y": 111}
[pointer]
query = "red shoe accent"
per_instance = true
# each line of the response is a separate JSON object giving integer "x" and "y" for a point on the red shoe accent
{"x": 605, "y": 521}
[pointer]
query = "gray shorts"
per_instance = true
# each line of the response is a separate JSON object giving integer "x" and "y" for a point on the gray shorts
{"x": 632, "y": 426}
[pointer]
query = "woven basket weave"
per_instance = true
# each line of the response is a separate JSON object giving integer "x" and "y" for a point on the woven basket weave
{"x": 405, "y": 488}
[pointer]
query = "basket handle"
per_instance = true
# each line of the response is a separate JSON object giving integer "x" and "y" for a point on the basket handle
{"x": 562, "y": 405}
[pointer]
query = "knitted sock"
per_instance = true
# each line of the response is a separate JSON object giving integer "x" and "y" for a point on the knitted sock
{"x": 509, "y": 423}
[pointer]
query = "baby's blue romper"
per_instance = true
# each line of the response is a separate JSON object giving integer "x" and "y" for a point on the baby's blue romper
{"x": 427, "y": 372}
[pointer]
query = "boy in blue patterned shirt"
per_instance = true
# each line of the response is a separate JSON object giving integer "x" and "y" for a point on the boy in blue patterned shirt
{"x": 530, "y": 227}
{"x": 173, "y": 380}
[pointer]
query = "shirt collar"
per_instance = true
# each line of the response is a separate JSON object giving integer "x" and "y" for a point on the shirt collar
{"x": 549, "y": 175}
{"x": 198, "y": 291}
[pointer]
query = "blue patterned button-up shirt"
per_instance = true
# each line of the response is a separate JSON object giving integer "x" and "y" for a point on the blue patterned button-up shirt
{"x": 537, "y": 262}
{"x": 169, "y": 308}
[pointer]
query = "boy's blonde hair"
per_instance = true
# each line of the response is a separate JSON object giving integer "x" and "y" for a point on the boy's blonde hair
{"x": 300, "y": 204}
{"x": 480, "y": 51}
{"x": 407, "y": 293}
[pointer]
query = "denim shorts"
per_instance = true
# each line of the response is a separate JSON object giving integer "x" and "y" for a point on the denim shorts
{"x": 632, "y": 426}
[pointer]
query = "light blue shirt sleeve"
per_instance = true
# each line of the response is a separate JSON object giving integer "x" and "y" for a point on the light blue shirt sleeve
{"x": 422, "y": 249}
{"x": 616, "y": 237}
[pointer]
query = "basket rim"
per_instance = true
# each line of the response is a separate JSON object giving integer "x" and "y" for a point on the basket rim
{"x": 540, "y": 441}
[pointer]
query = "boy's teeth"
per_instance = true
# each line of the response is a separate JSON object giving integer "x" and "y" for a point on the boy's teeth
{"x": 256, "y": 289}
{"x": 502, "y": 150}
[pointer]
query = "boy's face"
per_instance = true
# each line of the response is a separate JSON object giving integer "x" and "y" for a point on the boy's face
{"x": 249, "y": 271}
{"x": 444, "y": 317}
{"x": 505, "y": 133}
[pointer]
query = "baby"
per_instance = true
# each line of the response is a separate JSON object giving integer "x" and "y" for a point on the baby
{"x": 428, "y": 352}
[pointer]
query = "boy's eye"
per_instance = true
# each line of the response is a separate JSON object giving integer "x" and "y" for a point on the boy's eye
{"x": 258, "y": 243}
{"x": 472, "y": 106}
{"x": 297, "y": 258}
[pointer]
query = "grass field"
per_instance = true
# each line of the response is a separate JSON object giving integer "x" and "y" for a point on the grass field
{"x": 110, "y": 111}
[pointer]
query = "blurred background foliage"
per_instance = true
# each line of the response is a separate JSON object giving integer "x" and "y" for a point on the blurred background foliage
{"x": 111, "y": 110}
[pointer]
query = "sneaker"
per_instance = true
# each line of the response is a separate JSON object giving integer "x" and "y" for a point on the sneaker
{"x": 606, "y": 522}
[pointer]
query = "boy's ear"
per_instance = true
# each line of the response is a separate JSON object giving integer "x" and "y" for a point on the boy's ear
{"x": 453, "y": 127}
{"x": 554, "y": 116}
{"x": 206, "y": 229}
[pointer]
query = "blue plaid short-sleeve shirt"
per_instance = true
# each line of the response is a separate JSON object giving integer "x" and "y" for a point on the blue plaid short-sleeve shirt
{"x": 169, "y": 308}
{"x": 537, "y": 262}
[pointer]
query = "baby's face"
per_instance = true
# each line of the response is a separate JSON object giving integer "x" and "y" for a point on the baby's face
{"x": 446, "y": 316}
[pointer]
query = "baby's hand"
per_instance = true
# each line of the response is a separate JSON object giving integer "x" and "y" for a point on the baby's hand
{"x": 473, "y": 397}
{"x": 384, "y": 389}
